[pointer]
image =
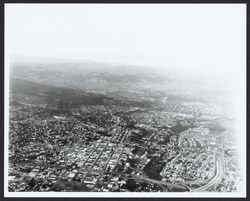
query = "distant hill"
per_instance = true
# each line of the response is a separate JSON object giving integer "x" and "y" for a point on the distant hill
{"x": 96, "y": 77}
{"x": 123, "y": 83}
{"x": 35, "y": 93}
{"x": 29, "y": 92}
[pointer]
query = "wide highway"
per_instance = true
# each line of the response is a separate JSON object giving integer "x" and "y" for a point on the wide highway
{"x": 216, "y": 179}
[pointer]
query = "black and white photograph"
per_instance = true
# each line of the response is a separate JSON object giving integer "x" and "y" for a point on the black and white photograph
{"x": 125, "y": 100}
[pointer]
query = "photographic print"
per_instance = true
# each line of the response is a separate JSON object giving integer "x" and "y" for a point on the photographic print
{"x": 127, "y": 100}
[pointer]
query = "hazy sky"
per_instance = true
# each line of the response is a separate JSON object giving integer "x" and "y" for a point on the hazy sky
{"x": 202, "y": 37}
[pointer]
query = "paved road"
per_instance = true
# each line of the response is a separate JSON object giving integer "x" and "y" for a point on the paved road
{"x": 151, "y": 181}
{"x": 163, "y": 184}
{"x": 216, "y": 179}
